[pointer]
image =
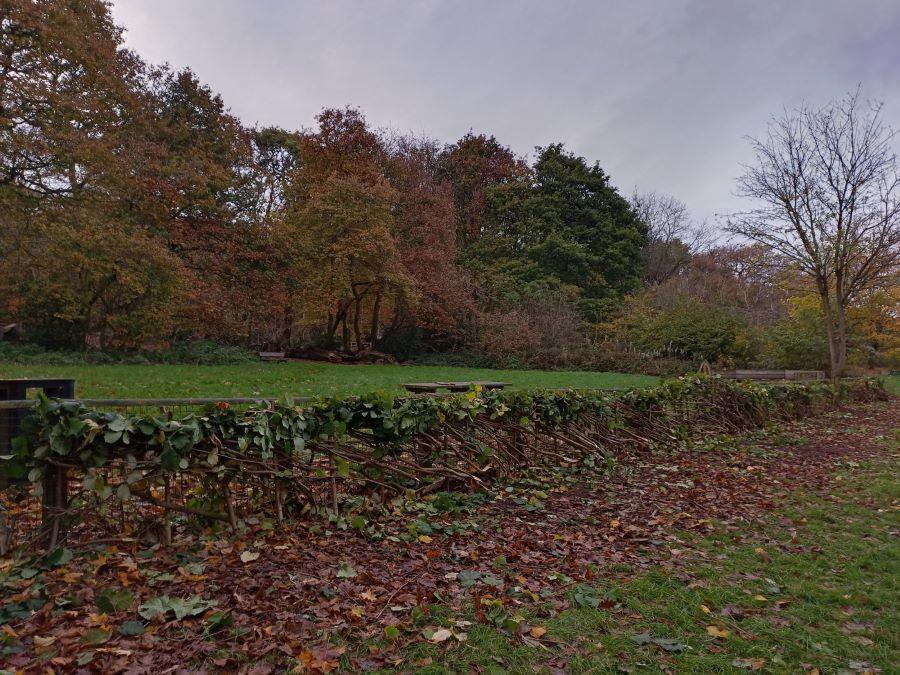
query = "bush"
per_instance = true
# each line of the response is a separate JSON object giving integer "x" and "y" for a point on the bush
{"x": 697, "y": 332}
{"x": 183, "y": 353}
{"x": 201, "y": 353}
{"x": 30, "y": 354}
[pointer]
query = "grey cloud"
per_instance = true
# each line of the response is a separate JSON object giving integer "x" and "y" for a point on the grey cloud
{"x": 661, "y": 92}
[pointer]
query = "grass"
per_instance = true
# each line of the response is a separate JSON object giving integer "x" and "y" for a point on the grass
{"x": 295, "y": 378}
{"x": 892, "y": 384}
{"x": 824, "y": 602}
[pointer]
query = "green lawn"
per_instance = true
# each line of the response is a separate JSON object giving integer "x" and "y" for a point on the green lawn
{"x": 299, "y": 379}
{"x": 812, "y": 588}
{"x": 893, "y": 384}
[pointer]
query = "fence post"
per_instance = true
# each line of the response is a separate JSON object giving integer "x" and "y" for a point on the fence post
{"x": 55, "y": 498}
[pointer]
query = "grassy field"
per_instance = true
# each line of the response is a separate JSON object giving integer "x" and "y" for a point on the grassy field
{"x": 893, "y": 384}
{"x": 812, "y": 588}
{"x": 296, "y": 378}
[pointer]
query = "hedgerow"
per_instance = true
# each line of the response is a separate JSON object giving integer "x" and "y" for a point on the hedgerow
{"x": 102, "y": 472}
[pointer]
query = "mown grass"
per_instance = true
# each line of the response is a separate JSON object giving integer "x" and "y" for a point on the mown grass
{"x": 296, "y": 378}
{"x": 827, "y": 599}
{"x": 892, "y": 384}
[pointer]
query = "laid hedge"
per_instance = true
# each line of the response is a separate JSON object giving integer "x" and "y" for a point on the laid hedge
{"x": 100, "y": 471}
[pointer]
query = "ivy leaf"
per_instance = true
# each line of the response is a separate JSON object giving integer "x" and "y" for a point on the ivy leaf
{"x": 468, "y": 578}
{"x": 180, "y": 607}
{"x": 585, "y": 595}
{"x": 132, "y": 628}
{"x": 111, "y": 600}
{"x": 57, "y": 557}
{"x": 95, "y": 636}
{"x": 345, "y": 571}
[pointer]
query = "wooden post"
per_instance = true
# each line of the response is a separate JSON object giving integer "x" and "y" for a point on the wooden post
{"x": 54, "y": 504}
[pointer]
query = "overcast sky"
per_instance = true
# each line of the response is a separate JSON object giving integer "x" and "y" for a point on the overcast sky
{"x": 661, "y": 92}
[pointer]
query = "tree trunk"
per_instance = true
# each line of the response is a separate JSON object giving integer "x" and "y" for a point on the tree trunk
{"x": 376, "y": 310}
{"x": 345, "y": 332}
{"x": 357, "y": 331}
{"x": 836, "y": 326}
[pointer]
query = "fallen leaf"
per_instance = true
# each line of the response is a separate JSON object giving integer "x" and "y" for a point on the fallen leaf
{"x": 44, "y": 641}
{"x": 538, "y": 631}
{"x": 249, "y": 556}
{"x": 641, "y": 638}
{"x": 716, "y": 632}
{"x": 749, "y": 664}
{"x": 669, "y": 645}
{"x": 345, "y": 571}
{"x": 441, "y": 635}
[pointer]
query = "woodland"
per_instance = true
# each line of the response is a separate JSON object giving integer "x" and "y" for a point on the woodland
{"x": 137, "y": 215}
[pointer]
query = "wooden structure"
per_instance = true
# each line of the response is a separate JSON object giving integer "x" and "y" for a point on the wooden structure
{"x": 272, "y": 356}
{"x": 434, "y": 387}
{"x": 769, "y": 375}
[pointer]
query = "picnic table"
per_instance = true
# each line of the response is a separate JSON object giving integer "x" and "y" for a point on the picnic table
{"x": 434, "y": 387}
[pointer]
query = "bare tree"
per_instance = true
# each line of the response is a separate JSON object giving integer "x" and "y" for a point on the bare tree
{"x": 828, "y": 192}
{"x": 674, "y": 238}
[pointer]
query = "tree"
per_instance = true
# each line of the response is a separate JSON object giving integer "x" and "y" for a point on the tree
{"x": 562, "y": 228}
{"x": 77, "y": 262}
{"x": 673, "y": 237}
{"x": 440, "y": 307}
{"x": 827, "y": 185}
{"x": 339, "y": 229}
{"x": 471, "y": 166}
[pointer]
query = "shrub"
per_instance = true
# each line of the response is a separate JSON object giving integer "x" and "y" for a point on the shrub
{"x": 188, "y": 353}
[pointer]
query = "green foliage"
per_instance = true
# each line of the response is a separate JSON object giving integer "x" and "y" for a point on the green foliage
{"x": 216, "y": 443}
{"x": 564, "y": 228}
{"x": 698, "y": 332}
{"x": 201, "y": 353}
{"x": 798, "y": 341}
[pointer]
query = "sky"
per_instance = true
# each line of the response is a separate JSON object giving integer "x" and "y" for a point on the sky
{"x": 661, "y": 92}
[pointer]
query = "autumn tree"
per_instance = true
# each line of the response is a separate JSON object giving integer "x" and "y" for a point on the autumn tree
{"x": 339, "y": 226}
{"x": 826, "y": 185}
{"x": 471, "y": 166}
{"x": 440, "y": 306}
{"x": 74, "y": 264}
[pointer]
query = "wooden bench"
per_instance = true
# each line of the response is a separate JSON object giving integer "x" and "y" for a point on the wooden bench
{"x": 434, "y": 387}
{"x": 272, "y": 356}
{"x": 788, "y": 375}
